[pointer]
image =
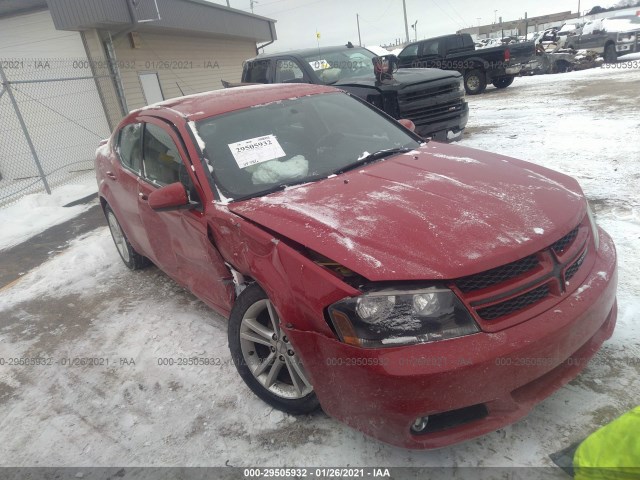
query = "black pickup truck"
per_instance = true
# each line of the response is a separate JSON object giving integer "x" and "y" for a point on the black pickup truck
{"x": 432, "y": 99}
{"x": 497, "y": 65}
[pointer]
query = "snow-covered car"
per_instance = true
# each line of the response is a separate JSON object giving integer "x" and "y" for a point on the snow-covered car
{"x": 422, "y": 293}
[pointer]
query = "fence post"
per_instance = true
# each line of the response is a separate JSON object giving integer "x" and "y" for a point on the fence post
{"x": 7, "y": 86}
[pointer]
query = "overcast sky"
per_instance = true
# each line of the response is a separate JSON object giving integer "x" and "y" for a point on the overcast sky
{"x": 382, "y": 21}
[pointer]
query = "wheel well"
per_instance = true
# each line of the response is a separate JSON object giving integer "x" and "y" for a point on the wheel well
{"x": 103, "y": 204}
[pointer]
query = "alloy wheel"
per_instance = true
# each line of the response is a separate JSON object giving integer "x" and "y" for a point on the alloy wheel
{"x": 269, "y": 355}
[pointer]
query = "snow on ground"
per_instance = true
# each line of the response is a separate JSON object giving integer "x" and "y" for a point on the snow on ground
{"x": 34, "y": 213}
{"x": 85, "y": 303}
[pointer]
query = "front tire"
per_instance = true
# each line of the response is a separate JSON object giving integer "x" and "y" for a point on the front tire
{"x": 132, "y": 259}
{"x": 503, "y": 82}
{"x": 610, "y": 54}
{"x": 475, "y": 82}
{"x": 264, "y": 357}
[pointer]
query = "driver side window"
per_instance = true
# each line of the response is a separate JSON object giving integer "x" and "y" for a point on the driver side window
{"x": 288, "y": 71}
{"x": 410, "y": 52}
{"x": 161, "y": 158}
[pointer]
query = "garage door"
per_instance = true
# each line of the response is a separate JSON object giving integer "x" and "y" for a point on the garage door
{"x": 51, "y": 83}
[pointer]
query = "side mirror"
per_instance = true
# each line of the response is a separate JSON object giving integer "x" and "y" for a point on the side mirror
{"x": 408, "y": 124}
{"x": 170, "y": 197}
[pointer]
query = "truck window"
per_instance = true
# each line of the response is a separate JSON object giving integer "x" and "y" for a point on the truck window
{"x": 410, "y": 51}
{"x": 256, "y": 71}
{"x": 288, "y": 71}
{"x": 467, "y": 41}
{"x": 454, "y": 43}
{"x": 431, "y": 47}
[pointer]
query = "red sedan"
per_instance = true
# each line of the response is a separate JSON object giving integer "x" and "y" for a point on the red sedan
{"x": 421, "y": 293}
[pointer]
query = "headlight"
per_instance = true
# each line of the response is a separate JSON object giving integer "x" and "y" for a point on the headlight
{"x": 626, "y": 37}
{"x": 594, "y": 227}
{"x": 388, "y": 318}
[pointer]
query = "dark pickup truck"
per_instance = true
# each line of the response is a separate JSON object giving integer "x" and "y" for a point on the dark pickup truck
{"x": 496, "y": 65}
{"x": 611, "y": 37}
{"x": 432, "y": 99}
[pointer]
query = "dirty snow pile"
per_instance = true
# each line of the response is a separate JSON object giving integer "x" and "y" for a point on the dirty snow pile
{"x": 33, "y": 214}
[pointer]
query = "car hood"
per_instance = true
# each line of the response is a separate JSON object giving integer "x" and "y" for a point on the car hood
{"x": 401, "y": 78}
{"x": 440, "y": 212}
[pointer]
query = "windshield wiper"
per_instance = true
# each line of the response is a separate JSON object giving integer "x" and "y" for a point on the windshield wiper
{"x": 380, "y": 154}
{"x": 281, "y": 186}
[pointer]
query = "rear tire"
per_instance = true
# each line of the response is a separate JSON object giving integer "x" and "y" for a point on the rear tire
{"x": 263, "y": 356}
{"x": 610, "y": 54}
{"x": 503, "y": 82}
{"x": 132, "y": 259}
{"x": 475, "y": 82}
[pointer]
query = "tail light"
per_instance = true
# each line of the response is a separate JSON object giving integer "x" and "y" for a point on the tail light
{"x": 507, "y": 55}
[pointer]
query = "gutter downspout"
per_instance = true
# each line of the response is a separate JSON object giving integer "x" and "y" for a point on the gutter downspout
{"x": 268, "y": 43}
{"x": 132, "y": 26}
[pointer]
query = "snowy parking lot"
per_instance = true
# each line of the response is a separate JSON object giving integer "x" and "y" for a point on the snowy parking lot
{"x": 131, "y": 407}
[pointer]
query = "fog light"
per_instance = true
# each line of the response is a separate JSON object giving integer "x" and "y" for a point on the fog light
{"x": 420, "y": 425}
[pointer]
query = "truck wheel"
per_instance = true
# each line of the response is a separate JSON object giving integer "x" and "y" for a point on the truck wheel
{"x": 610, "y": 54}
{"x": 503, "y": 82}
{"x": 475, "y": 82}
{"x": 263, "y": 356}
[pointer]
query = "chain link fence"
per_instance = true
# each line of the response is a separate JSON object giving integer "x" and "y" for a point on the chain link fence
{"x": 52, "y": 117}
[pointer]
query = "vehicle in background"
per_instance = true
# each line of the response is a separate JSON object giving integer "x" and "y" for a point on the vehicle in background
{"x": 497, "y": 65}
{"x": 611, "y": 37}
{"x": 432, "y": 99}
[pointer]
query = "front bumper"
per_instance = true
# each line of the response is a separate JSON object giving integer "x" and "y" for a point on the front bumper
{"x": 513, "y": 70}
{"x": 382, "y": 392}
{"x": 627, "y": 47}
{"x": 455, "y": 123}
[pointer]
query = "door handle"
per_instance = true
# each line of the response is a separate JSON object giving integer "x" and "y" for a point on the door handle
{"x": 143, "y": 196}
{"x": 111, "y": 175}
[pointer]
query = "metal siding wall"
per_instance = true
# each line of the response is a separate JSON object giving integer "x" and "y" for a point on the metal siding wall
{"x": 182, "y": 15}
{"x": 228, "y": 53}
{"x": 196, "y": 17}
{"x": 78, "y": 14}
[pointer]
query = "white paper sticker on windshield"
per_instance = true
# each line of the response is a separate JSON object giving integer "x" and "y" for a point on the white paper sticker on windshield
{"x": 319, "y": 65}
{"x": 256, "y": 150}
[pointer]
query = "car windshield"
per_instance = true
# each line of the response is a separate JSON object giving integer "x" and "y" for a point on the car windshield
{"x": 265, "y": 148}
{"x": 340, "y": 65}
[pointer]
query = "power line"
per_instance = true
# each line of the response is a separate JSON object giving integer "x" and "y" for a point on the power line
{"x": 448, "y": 16}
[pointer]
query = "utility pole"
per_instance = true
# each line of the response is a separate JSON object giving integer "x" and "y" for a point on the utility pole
{"x": 251, "y": 4}
{"x": 359, "y": 38}
{"x": 406, "y": 25}
{"x": 578, "y": 8}
{"x": 415, "y": 27}
{"x": 495, "y": 16}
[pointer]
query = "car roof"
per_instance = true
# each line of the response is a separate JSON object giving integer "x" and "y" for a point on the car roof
{"x": 217, "y": 102}
{"x": 309, "y": 52}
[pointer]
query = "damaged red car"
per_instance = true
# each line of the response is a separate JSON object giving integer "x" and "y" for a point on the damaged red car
{"x": 421, "y": 293}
